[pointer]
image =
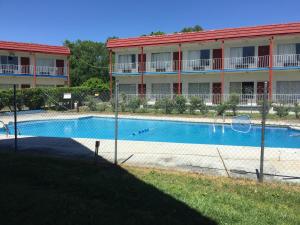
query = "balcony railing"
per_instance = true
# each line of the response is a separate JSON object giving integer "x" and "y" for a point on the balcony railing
{"x": 40, "y": 70}
{"x": 202, "y": 65}
{"x": 214, "y": 99}
{"x": 286, "y": 61}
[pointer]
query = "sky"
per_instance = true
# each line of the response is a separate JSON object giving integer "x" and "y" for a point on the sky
{"x": 52, "y": 22}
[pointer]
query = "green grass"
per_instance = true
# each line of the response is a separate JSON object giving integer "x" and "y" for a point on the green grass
{"x": 40, "y": 190}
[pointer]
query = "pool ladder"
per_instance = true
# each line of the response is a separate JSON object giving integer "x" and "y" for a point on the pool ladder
{"x": 214, "y": 123}
{"x": 7, "y": 129}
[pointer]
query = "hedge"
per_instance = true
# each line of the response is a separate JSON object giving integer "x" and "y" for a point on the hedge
{"x": 38, "y": 98}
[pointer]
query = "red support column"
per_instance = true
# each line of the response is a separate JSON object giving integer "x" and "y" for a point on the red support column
{"x": 142, "y": 70}
{"x": 110, "y": 72}
{"x": 271, "y": 68}
{"x": 34, "y": 71}
{"x": 222, "y": 68}
{"x": 179, "y": 69}
{"x": 68, "y": 74}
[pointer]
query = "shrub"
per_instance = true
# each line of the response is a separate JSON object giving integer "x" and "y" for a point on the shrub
{"x": 180, "y": 104}
{"x": 92, "y": 105}
{"x": 296, "y": 110}
{"x": 123, "y": 102}
{"x": 197, "y": 103}
{"x": 96, "y": 85}
{"x": 169, "y": 105}
{"x": 221, "y": 109}
{"x": 281, "y": 110}
{"x": 232, "y": 103}
{"x": 34, "y": 98}
{"x": 159, "y": 104}
{"x": 134, "y": 104}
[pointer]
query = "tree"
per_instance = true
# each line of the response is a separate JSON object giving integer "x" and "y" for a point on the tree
{"x": 96, "y": 84}
{"x": 192, "y": 29}
{"x": 88, "y": 59}
{"x": 153, "y": 33}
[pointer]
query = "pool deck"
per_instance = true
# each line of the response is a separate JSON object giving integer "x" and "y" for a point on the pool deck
{"x": 235, "y": 161}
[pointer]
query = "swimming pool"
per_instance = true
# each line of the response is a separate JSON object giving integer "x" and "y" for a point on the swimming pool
{"x": 159, "y": 131}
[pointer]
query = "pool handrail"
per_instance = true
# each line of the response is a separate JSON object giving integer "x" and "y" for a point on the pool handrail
{"x": 5, "y": 127}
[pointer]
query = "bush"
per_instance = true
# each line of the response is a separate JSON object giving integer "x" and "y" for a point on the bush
{"x": 165, "y": 104}
{"x": 221, "y": 109}
{"x": 282, "y": 111}
{"x": 123, "y": 102}
{"x": 92, "y": 105}
{"x": 134, "y": 104}
{"x": 296, "y": 110}
{"x": 180, "y": 104}
{"x": 34, "y": 98}
{"x": 232, "y": 103}
{"x": 197, "y": 103}
{"x": 96, "y": 85}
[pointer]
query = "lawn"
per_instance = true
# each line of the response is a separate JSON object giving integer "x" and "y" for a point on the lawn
{"x": 42, "y": 190}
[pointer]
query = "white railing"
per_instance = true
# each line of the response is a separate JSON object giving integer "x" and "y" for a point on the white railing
{"x": 214, "y": 99}
{"x": 15, "y": 69}
{"x": 286, "y": 60}
{"x": 251, "y": 62}
{"x": 51, "y": 71}
{"x": 40, "y": 70}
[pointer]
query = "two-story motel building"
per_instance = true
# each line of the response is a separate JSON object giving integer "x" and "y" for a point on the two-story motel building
{"x": 33, "y": 65}
{"x": 210, "y": 62}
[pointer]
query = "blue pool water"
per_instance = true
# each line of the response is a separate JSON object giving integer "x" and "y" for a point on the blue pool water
{"x": 162, "y": 131}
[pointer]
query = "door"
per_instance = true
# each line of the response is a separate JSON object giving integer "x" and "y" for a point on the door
{"x": 260, "y": 90}
{"x": 142, "y": 66}
{"x": 247, "y": 92}
{"x": 176, "y": 61}
{"x": 175, "y": 88}
{"x": 217, "y": 59}
{"x": 25, "y": 63}
{"x": 140, "y": 89}
{"x": 217, "y": 93}
{"x": 24, "y": 86}
{"x": 263, "y": 53}
{"x": 60, "y": 65}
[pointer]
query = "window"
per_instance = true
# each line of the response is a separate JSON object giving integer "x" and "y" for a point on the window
{"x": 241, "y": 57}
{"x": 127, "y": 62}
{"x": 161, "y": 62}
{"x": 288, "y": 87}
{"x": 286, "y": 49}
{"x": 198, "y": 88}
{"x": 235, "y": 88}
{"x": 8, "y": 64}
{"x": 129, "y": 89}
{"x": 7, "y": 86}
{"x": 24, "y": 86}
{"x": 244, "y": 88}
{"x": 198, "y": 59}
{"x": 45, "y": 85}
{"x": 45, "y": 66}
{"x": 161, "y": 89}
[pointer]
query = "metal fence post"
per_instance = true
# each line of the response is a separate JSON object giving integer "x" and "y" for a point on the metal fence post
{"x": 15, "y": 118}
{"x": 116, "y": 120}
{"x": 263, "y": 125}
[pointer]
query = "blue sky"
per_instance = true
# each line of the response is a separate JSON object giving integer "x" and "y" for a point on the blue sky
{"x": 51, "y": 22}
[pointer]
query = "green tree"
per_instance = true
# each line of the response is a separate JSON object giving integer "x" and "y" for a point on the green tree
{"x": 192, "y": 29}
{"x": 96, "y": 84}
{"x": 153, "y": 33}
{"x": 88, "y": 59}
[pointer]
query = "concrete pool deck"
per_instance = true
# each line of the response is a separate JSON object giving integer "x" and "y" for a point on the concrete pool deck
{"x": 281, "y": 163}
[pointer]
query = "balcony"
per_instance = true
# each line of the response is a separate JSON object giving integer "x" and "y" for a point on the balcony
{"x": 210, "y": 65}
{"x": 7, "y": 69}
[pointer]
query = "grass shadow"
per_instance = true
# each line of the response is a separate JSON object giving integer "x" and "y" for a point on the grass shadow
{"x": 45, "y": 190}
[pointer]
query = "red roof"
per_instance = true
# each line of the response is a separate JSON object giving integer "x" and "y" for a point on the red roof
{"x": 28, "y": 47}
{"x": 210, "y": 35}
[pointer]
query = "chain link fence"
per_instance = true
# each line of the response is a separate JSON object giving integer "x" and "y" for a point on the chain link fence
{"x": 219, "y": 136}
